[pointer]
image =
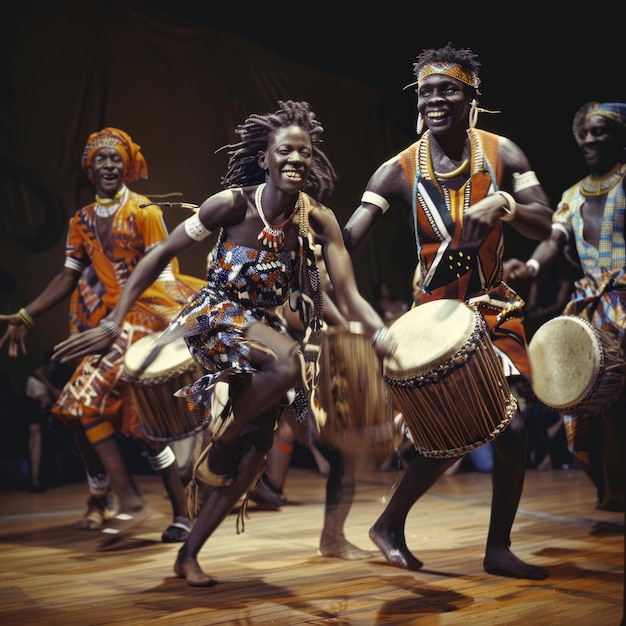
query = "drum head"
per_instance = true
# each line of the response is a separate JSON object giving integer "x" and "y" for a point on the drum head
{"x": 172, "y": 357}
{"x": 565, "y": 359}
{"x": 428, "y": 335}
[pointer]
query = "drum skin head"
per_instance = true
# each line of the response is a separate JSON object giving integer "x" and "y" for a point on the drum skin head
{"x": 565, "y": 358}
{"x": 428, "y": 335}
{"x": 172, "y": 357}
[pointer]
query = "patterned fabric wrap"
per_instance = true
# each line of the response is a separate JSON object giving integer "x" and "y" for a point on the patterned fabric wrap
{"x": 600, "y": 298}
{"x": 244, "y": 286}
{"x": 136, "y": 166}
{"x": 95, "y": 394}
{"x": 448, "y": 270}
{"x": 449, "y": 69}
{"x": 600, "y": 295}
{"x": 612, "y": 251}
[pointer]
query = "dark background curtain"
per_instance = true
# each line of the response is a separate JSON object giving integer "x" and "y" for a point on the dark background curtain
{"x": 180, "y": 76}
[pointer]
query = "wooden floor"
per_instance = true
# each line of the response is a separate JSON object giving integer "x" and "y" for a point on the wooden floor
{"x": 52, "y": 574}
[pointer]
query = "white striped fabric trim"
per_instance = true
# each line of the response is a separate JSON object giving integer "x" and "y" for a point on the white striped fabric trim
{"x": 73, "y": 264}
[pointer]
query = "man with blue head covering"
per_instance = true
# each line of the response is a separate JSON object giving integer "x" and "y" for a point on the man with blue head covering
{"x": 590, "y": 217}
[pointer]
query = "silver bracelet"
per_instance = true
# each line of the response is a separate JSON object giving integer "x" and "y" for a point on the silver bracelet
{"x": 111, "y": 327}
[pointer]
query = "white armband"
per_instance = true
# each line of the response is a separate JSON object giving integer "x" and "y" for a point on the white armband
{"x": 562, "y": 228}
{"x": 375, "y": 199}
{"x": 521, "y": 181}
{"x": 195, "y": 228}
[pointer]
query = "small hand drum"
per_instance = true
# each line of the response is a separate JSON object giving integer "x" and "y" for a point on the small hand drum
{"x": 165, "y": 417}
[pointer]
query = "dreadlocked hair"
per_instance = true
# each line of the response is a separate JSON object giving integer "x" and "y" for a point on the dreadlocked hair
{"x": 255, "y": 134}
{"x": 448, "y": 54}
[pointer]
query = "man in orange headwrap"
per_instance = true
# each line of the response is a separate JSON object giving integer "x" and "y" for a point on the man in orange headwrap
{"x": 122, "y": 143}
{"x": 105, "y": 242}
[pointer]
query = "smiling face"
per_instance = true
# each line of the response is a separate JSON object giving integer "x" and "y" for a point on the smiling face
{"x": 288, "y": 158}
{"x": 600, "y": 142}
{"x": 106, "y": 172}
{"x": 443, "y": 103}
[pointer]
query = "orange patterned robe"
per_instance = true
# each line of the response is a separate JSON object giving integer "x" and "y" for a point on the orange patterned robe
{"x": 96, "y": 393}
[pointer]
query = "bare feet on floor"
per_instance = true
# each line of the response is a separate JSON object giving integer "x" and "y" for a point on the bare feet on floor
{"x": 391, "y": 543}
{"x": 343, "y": 549}
{"x": 500, "y": 561}
{"x": 189, "y": 569}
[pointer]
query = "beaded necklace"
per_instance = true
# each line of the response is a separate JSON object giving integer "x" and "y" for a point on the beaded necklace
{"x": 457, "y": 172}
{"x": 596, "y": 186}
{"x": 426, "y": 169}
{"x": 272, "y": 235}
{"x": 105, "y": 207}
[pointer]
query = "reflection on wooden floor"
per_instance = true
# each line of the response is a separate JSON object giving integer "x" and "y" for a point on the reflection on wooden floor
{"x": 51, "y": 574}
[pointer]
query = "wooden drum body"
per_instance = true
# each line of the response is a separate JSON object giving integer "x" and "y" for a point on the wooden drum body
{"x": 447, "y": 380}
{"x": 576, "y": 368}
{"x": 352, "y": 408}
{"x": 165, "y": 417}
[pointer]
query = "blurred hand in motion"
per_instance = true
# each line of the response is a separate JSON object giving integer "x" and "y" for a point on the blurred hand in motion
{"x": 96, "y": 340}
{"x": 15, "y": 334}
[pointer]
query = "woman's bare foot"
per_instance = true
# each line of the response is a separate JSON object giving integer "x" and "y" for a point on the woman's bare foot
{"x": 500, "y": 561}
{"x": 343, "y": 549}
{"x": 391, "y": 543}
{"x": 189, "y": 569}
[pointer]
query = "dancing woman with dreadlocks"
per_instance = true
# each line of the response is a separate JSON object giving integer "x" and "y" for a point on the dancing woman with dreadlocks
{"x": 263, "y": 258}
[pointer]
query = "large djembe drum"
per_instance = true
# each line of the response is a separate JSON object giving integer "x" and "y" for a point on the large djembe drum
{"x": 577, "y": 369}
{"x": 447, "y": 380}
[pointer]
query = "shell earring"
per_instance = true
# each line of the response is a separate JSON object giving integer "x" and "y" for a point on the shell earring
{"x": 420, "y": 124}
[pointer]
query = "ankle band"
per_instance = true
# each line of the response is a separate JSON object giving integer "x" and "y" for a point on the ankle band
{"x": 162, "y": 460}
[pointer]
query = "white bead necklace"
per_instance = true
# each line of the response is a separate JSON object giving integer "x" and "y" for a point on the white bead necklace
{"x": 272, "y": 235}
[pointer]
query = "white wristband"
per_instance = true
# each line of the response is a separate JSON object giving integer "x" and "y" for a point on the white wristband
{"x": 509, "y": 209}
{"x": 111, "y": 327}
{"x": 533, "y": 266}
